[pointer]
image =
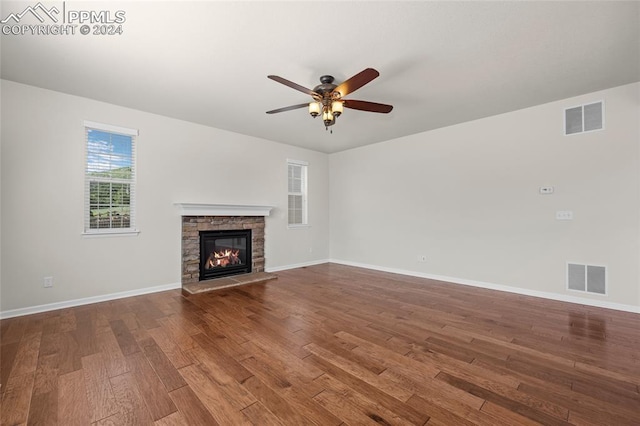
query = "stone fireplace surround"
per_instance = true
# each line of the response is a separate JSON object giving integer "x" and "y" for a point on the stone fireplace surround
{"x": 217, "y": 217}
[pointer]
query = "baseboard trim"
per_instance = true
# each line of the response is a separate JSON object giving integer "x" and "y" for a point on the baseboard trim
{"x": 473, "y": 283}
{"x": 85, "y": 301}
{"x": 297, "y": 265}
{"x": 499, "y": 287}
{"x": 113, "y": 296}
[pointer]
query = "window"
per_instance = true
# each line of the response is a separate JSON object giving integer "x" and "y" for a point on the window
{"x": 583, "y": 118}
{"x": 297, "y": 192}
{"x": 109, "y": 179}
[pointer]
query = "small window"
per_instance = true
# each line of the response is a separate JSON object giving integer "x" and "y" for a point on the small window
{"x": 297, "y": 204}
{"x": 584, "y": 118}
{"x": 109, "y": 179}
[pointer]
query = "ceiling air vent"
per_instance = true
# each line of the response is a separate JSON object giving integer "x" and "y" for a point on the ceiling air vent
{"x": 587, "y": 278}
{"x": 584, "y": 118}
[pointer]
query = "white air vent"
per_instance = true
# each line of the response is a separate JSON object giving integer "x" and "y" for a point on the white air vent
{"x": 584, "y": 118}
{"x": 587, "y": 278}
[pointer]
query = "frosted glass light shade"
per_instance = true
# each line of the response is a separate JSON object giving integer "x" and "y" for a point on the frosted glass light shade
{"x": 337, "y": 108}
{"x": 314, "y": 109}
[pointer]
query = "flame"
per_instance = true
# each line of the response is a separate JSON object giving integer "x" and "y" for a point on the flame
{"x": 223, "y": 258}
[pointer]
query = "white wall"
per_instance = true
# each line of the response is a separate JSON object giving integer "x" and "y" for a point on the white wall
{"x": 467, "y": 198}
{"x": 42, "y": 184}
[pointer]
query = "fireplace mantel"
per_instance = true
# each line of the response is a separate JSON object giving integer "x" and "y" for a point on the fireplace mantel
{"x": 199, "y": 209}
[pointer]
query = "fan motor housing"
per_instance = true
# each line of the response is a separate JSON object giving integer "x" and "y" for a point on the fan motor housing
{"x": 327, "y": 85}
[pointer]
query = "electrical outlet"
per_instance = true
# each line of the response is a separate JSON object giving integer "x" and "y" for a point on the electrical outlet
{"x": 422, "y": 258}
{"x": 47, "y": 282}
{"x": 546, "y": 190}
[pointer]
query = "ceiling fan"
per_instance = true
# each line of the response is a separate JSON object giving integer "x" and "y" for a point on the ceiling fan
{"x": 328, "y": 97}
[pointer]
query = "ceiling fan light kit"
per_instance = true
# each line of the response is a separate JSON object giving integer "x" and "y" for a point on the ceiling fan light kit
{"x": 327, "y": 97}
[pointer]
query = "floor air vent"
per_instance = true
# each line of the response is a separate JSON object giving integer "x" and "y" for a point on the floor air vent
{"x": 587, "y": 278}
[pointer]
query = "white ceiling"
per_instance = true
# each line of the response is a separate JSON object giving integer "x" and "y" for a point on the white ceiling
{"x": 440, "y": 63}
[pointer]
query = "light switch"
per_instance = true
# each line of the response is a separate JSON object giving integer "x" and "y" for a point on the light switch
{"x": 564, "y": 215}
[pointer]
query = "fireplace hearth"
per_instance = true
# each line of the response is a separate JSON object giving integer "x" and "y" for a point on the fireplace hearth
{"x": 224, "y": 253}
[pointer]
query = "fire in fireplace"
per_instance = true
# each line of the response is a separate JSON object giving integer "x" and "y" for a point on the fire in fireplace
{"x": 223, "y": 258}
{"x": 224, "y": 253}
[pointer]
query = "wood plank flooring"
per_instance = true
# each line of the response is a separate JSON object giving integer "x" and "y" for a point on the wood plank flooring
{"x": 324, "y": 345}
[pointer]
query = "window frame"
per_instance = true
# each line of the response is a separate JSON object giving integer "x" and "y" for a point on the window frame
{"x": 304, "y": 193}
{"x": 88, "y": 179}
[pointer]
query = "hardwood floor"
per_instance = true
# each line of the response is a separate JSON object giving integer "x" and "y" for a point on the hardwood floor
{"x": 325, "y": 345}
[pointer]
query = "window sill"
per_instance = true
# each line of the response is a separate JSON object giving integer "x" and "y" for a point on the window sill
{"x": 111, "y": 233}
{"x": 304, "y": 226}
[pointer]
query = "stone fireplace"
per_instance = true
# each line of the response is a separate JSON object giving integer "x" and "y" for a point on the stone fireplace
{"x": 202, "y": 222}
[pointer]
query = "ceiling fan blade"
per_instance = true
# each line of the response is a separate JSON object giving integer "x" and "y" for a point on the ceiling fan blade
{"x": 357, "y": 81}
{"x": 288, "y": 108}
{"x": 292, "y": 85}
{"x": 367, "y": 106}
